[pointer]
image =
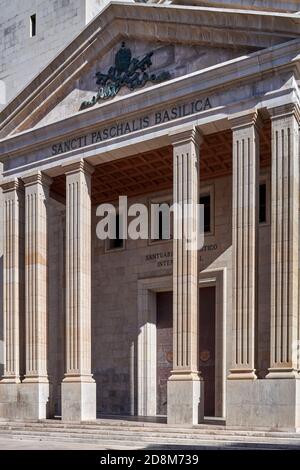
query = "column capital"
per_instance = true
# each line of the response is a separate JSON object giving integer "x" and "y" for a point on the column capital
{"x": 186, "y": 135}
{"x": 14, "y": 184}
{"x": 245, "y": 119}
{"x": 285, "y": 110}
{"x": 37, "y": 178}
{"x": 79, "y": 166}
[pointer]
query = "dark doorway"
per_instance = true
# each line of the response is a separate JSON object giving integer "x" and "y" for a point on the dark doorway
{"x": 207, "y": 346}
{"x": 164, "y": 308}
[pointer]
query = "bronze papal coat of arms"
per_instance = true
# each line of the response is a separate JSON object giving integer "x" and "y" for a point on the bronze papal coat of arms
{"x": 128, "y": 71}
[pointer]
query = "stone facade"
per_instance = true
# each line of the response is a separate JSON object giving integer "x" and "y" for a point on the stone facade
{"x": 115, "y": 318}
{"x": 79, "y": 314}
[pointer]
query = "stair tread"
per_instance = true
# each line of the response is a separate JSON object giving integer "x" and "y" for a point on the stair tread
{"x": 86, "y": 432}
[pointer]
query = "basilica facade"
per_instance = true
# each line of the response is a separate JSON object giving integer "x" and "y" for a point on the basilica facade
{"x": 168, "y": 102}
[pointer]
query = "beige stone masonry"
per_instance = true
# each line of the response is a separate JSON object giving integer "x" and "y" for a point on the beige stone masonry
{"x": 245, "y": 164}
{"x": 78, "y": 272}
{"x": 284, "y": 241}
{"x": 78, "y": 386}
{"x": 185, "y": 272}
{"x": 36, "y": 200}
{"x": 184, "y": 386}
{"x": 13, "y": 201}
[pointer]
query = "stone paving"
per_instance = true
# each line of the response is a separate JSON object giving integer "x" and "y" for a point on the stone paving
{"x": 13, "y": 443}
{"x": 32, "y": 444}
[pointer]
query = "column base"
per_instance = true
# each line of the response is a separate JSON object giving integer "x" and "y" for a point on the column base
{"x": 185, "y": 399}
{"x": 24, "y": 401}
{"x": 78, "y": 400}
{"x": 242, "y": 374}
{"x": 266, "y": 404}
{"x": 10, "y": 380}
{"x": 282, "y": 373}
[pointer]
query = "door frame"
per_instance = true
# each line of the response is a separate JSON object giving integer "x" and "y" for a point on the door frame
{"x": 146, "y": 344}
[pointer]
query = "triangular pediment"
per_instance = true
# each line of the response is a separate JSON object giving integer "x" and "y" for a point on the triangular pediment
{"x": 183, "y": 40}
{"x": 155, "y": 63}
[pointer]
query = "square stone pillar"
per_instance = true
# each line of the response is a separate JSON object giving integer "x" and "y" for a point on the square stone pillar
{"x": 185, "y": 387}
{"x": 35, "y": 387}
{"x": 13, "y": 238}
{"x": 245, "y": 184}
{"x": 285, "y": 242}
{"x": 78, "y": 386}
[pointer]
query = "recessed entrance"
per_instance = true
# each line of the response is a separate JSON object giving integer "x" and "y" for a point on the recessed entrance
{"x": 155, "y": 342}
{"x": 207, "y": 346}
{"x": 164, "y": 331}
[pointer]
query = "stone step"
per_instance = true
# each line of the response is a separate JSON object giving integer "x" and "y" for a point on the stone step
{"x": 170, "y": 433}
{"x": 49, "y": 426}
{"x": 125, "y": 441}
{"x": 137, "y": 431}
{"x": 155, "y": 444}
{"x": 137, "y": 435}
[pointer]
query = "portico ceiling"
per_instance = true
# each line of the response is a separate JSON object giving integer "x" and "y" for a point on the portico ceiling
{"x": 152, "y": 171}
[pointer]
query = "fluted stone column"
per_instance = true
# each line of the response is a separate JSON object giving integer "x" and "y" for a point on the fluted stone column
{"x": 185, "y": 387}
{"x": 12, "y": 235}
{"x": 78, "y": 387}
{"x": 284, "y": 241}
{"x": 35, "y": 387}
{"x": 13, "y": 220}
{"x": 245, "y": 183}
{"x": 271, "y": 403}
